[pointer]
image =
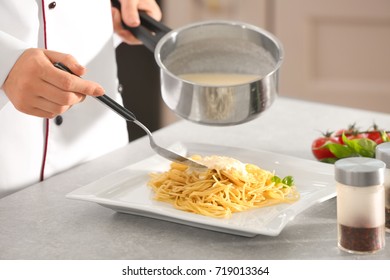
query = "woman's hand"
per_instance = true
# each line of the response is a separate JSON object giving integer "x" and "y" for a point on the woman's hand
{"x": 36, "y": 87}
{"x": 129, "y": 14}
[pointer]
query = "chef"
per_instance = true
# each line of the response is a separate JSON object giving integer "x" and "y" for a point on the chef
{"x": 49, "y": 122}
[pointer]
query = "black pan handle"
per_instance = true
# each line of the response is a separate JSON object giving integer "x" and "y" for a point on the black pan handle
{"x": 119, "y": 109}
{"x": 150, "y": 30}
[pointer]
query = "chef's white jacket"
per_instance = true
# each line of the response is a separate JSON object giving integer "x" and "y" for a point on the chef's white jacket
{"x": 88, "y": 130}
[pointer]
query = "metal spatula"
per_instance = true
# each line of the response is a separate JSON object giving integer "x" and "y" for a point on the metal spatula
{"x": 129, "y": 116}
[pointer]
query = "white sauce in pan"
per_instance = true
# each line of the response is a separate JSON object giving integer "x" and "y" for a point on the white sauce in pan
{"x": 219, "y": 79}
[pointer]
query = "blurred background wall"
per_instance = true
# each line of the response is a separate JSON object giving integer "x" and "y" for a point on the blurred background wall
{"x": 336, "y": 51}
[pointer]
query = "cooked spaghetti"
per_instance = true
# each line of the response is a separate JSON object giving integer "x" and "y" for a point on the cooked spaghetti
{"x": 227, "y": 186}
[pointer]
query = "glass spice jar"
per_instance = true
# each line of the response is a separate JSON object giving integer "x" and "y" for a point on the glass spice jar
{"x": 360, "y": 204}
{"x": 383, "y": 153}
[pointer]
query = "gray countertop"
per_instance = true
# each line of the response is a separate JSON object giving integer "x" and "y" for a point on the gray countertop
{"x": 39, "y": 222}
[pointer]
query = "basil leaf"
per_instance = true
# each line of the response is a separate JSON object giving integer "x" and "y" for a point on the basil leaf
{"x": 288, "y": 180}
{"x": 340, "y": 151}
{"x": 329, "y": 160}
{"x": 384, "y": 136}
{"x": 276, "y": 180}
{"x": 364, "y": 147}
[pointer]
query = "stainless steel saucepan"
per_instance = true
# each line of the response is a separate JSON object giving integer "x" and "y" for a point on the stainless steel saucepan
{"x": 214, "y": 72}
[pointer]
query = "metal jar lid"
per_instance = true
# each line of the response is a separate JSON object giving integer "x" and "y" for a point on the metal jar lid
{"x": 382, "y": 152}
{"x": 360, "y": 171}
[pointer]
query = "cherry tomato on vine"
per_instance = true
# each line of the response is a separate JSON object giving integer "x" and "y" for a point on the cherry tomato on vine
{"x": 351, "y": 133}
{"x": 373, "y": 135}
{"x": 383, "y": 137}
{"x": 349, "y": 142}
{"x": 376, "y": 134}
{"x": 319, "y": 151}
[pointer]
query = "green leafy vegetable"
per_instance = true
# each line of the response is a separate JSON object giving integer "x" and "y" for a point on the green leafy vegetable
{"x": 350, "y": 142}
{"x": 288, "y": 180}
{"x": 276, "y": 180}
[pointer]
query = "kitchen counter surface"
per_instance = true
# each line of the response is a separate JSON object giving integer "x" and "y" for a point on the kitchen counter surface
{"x": 39, "y": 222}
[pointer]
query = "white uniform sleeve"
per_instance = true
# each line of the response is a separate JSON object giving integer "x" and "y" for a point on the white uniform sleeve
{"x": 11, "y": 49}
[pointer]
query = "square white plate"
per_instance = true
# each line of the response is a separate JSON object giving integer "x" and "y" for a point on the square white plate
{"x": 126, "y": 190}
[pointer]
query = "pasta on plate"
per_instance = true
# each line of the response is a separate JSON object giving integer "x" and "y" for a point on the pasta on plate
{"x": 227, "y": 186}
